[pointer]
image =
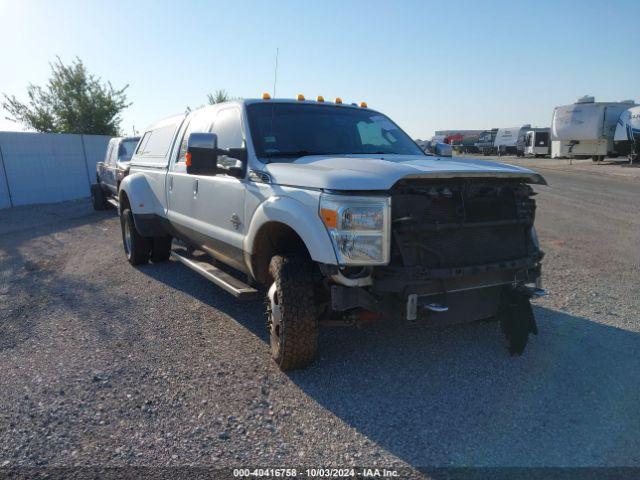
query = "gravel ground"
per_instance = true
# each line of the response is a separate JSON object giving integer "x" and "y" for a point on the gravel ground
{"x": 105, "y": 364}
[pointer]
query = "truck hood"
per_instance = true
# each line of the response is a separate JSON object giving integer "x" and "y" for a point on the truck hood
{"x": 381, "y": 172}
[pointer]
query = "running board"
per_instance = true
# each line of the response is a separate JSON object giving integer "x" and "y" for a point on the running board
{"x": 235, "y": 287}
{"x": 113, "y": 202}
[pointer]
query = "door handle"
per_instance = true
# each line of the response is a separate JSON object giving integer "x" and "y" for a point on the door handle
{"x": 195, "y": 188}
{"x": 170, "y": 184}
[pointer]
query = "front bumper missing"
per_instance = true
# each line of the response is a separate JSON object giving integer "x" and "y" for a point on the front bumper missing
{"x": 412, "y": 297}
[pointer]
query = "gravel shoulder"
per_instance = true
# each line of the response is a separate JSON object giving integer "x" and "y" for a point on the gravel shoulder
{"x": 105, "y": 364}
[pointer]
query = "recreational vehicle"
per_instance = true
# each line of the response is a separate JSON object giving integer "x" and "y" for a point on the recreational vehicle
{"x": 586, "y": 128}
{"x": 507, "y": 139}
{"x": 536, "y": 142}
{"x": 626, "y": 140}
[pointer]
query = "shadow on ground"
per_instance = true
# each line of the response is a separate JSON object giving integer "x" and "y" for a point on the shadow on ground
{"x": 453, "y": 397}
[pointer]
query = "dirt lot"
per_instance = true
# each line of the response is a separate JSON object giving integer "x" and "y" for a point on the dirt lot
{"x": 105, "y": 364}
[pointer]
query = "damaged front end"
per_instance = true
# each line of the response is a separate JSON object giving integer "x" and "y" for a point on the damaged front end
{"x": 462, "y": 249}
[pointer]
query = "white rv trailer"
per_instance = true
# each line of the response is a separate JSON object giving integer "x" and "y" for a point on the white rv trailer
{"x": 536, "y": 142}
{"x": 586, "y": 128}
{"x": 506, "y": 141}
{"x": 627, "y": 137}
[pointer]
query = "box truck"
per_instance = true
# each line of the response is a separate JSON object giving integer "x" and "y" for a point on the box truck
{"x": 586, "y": 128}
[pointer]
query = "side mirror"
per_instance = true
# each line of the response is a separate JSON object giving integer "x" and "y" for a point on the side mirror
{"x": 202, "y": 154}
{"x": 443, "y": 150}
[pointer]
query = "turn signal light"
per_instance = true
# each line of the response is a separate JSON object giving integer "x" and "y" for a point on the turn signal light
{"x": 329, "y": 217}
{"x": 266, "y": 96}
{"x": 320, "y": 98}
{"x": 300, "y": 97}
{"x": 363, "y": 104}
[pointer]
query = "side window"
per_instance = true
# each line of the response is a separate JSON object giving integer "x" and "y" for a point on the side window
{"x": 114, "y": 153}
{"x": 158, "y": 142}
{"x": 183, "y": 144}
{"x": 143, "y": 143}
{"x": 107, "y": 156}
{"x": 228, "y": 127}
{"x": 198, "y": 123}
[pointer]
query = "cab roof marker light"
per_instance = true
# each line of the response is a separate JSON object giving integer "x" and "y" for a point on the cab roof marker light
{"x": 320, "y": 99}
{"x": 300, "y": 97}
{"x": 266, "y": 96}
{"x": 338, "y": 100}
{"x": 363, "y": 104}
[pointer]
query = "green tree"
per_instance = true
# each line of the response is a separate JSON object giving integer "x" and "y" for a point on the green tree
{"x": 218, "y": 96}
{"x": 73, "y": 101}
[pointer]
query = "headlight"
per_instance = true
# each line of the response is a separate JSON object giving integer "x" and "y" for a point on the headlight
{"x": 359, "y": 228}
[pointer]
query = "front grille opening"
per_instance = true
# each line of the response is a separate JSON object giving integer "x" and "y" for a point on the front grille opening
{"x": 461, "y": 223}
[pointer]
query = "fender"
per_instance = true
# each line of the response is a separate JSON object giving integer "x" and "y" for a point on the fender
{"x": 294, "y": 214}
{"x": 148, "y": 213}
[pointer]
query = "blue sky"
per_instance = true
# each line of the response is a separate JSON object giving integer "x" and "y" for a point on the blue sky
{"x": 428, "y": 65}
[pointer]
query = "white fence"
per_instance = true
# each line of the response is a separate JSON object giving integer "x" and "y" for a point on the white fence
{"x": 47, "y": 167}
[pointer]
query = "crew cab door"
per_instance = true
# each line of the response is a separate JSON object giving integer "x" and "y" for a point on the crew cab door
{"x": 208, "y": 210}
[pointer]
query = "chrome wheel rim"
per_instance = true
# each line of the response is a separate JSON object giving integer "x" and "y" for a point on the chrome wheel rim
{"x": 275, "y": 319}
{"x": 127, "y": 237}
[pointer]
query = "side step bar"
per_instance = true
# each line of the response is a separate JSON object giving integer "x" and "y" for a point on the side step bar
{"x": 113, "y": 202}
{"x": 235, "y": 287}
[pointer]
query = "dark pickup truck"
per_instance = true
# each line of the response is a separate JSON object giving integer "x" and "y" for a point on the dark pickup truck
{"x": 111, "y": 171}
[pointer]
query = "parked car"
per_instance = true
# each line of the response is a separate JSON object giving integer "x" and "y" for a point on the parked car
{"x": 335, "y": 213}
{"x": 111, "y": 171}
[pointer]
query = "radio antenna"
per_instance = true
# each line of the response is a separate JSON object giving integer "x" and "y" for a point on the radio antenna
{"x": 275, "y": 74}
{"x": 275, "y": 82}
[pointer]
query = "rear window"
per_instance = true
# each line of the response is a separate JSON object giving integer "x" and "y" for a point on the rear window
{"x": 542, "y": 139}
{"x": 126, "y": 149}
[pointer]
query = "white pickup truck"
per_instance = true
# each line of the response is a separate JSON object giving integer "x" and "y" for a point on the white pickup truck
{"x": 337, "y": 216}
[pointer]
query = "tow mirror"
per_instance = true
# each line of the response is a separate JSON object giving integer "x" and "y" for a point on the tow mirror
{"x": 443, "y": 150}
{"x": 202, "y": 154}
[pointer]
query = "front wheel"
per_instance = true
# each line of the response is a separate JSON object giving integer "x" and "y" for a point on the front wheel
{"x": 136, "y": 247}
{"x": 291, "y": 309}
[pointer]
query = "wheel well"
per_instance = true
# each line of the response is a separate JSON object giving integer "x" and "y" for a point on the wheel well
{"x": 124, "y": 201}
{"x": 274, "y": 238}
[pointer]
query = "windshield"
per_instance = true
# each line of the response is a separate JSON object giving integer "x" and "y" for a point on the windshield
{"x": 283, "y": 131}
{"x": 127, "y": 147}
